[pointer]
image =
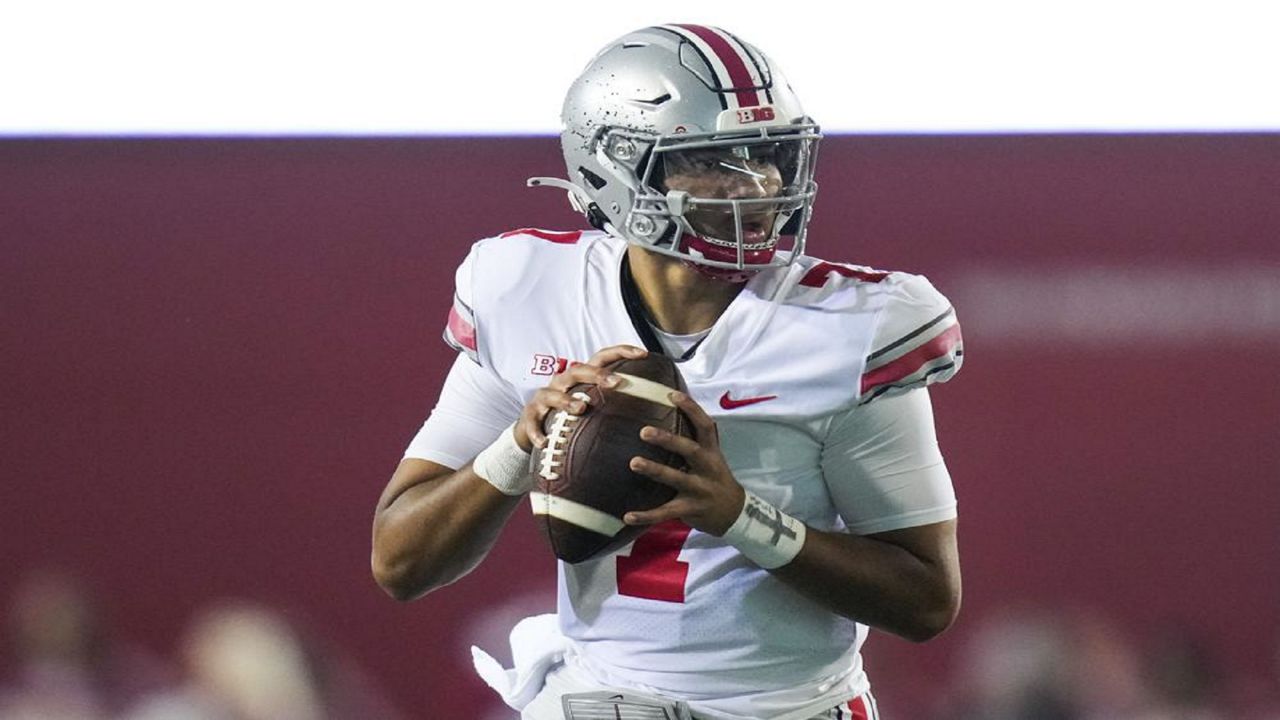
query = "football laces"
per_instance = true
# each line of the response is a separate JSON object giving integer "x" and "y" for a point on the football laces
{"x": 562, "y": 424}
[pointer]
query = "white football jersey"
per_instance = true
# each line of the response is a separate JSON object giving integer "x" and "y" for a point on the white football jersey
{"x": 793, "y": 373}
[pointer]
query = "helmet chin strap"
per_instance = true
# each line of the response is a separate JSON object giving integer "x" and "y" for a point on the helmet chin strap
{"x": 736, "y": 276}
{"x": 680, "y": 234}
{"x": 725, "y": 275}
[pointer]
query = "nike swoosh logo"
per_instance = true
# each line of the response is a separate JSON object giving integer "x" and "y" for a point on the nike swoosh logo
{"x": 729, "y": 403}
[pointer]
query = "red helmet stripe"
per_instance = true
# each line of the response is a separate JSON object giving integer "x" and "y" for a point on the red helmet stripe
{"x": 731, "y": 57}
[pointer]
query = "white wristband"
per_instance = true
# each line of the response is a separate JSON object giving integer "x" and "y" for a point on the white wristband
{"x": 767, "y": 536}
{"x": 504, "y": 465}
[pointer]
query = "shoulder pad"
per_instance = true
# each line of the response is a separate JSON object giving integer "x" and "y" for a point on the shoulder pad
{"x": 519, "y": 259}
{"x": 460, "y": 328}
{"x": 917, "y": 339}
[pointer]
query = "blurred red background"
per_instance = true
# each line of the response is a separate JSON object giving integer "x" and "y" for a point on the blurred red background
{"x": 214, "y": 352}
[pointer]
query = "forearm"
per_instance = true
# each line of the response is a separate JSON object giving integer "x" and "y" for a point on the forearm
{"x": 434, "y": 532}
{"x": 906, "y": 582}
{"x": 877, "y": 582}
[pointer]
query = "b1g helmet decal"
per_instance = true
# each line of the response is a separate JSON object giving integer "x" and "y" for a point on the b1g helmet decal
{"x": 674, "y": 98}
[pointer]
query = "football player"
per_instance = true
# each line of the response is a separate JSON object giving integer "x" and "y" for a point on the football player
{"x": 815, "y": 503}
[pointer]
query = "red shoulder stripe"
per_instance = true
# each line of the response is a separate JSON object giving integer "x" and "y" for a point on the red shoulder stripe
{"x": 562, "y": 238}
{"x": 858, "y": 709}
{"x": 461, "y": 330}
{"x": 914, "y": 360}
{"x": 819, "y": 274}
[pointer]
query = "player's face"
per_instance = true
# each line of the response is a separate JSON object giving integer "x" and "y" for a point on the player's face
{"x": 738, "y": 173}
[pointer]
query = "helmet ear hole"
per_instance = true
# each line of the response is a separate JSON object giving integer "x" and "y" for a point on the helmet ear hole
{"x": 597, "y": 218}
{"x": 593, "y": 179}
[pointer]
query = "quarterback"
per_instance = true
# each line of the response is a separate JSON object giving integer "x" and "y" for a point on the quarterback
{"x": 814, "y": 503}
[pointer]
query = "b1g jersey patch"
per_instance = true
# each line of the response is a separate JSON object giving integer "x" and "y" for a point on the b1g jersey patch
{"x": 547, "y": 365}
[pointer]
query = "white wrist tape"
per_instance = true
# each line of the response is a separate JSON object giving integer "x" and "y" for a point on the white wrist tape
{"x": 504, "y": 465}
{"x": 768, "y": 537}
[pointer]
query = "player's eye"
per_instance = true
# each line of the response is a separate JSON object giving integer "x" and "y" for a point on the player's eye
{"x": 764, "y": 153}
{"x": 706, "y": 161}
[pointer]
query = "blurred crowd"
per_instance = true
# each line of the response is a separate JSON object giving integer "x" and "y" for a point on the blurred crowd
{"x": 242, "y": 661}
{"x": 239, "y": 661}
{"x": 1075, "y": 665}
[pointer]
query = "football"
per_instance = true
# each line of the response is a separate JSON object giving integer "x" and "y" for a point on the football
{"x": 584, "y": 483}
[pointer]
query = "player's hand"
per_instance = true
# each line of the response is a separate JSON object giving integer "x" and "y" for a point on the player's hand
{"x": 707, "y": 495}
{"x": 555, "y": 396}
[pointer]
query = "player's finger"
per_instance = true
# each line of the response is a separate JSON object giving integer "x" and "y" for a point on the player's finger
{"x": 583, "y": 374}
{"x": 704, "y": 427}
{"x": 548, "y": 399}
{"x": 664, "y": 474}
{"x": 592, "y": 372}
{"x": 545, "y": 401}
{"x": 670, "y": 511}
{"x": 670, "y": 441}
{"x": 530, "y": 424}
{"x": 614, "y": 353}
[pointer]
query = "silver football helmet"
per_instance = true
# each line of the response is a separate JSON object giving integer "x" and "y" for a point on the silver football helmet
{"x": 689, "y": 141}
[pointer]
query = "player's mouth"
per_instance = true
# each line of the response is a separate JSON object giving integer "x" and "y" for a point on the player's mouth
{"x": 721, "y": 229}
{"x": 754, "y": 233}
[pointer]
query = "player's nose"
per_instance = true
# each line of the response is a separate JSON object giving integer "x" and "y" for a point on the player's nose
{"x": 743, "y": 186}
